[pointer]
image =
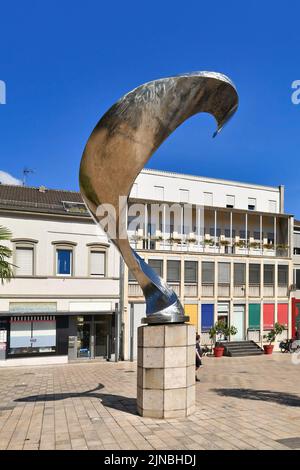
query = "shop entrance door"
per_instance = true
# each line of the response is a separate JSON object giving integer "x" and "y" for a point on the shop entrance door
{"x": 84, "y": 339}
{"x": 103, "y": 337}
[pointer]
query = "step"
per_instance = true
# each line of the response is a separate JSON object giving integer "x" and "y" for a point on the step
{"x": 245, "y": 353}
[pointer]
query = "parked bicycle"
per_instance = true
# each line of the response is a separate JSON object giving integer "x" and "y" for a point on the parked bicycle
{"x": 289, "y": 345}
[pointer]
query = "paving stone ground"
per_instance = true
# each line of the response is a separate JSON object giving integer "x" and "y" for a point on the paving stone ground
{"x": 242, "y": 403}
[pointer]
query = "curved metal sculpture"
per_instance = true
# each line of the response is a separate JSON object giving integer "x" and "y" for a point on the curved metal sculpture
{"x": 122, "y": 143}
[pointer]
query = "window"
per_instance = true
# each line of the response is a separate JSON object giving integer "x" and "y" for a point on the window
{"x": 157, "y": 266}
{"x": 223, "y": 273}
{"x": 24, "y": 261}
{"x": 212, "y": 232}
{"x": 230, "y": 201}
{"x": 251, "y": 203}
{"x": 283, "y": 275}
{"x": 297, "y": 278}
{"x": 208, "y": 199}
{"x": 191, "y": 271}
{"x": 254, "y": 274}
{"x": 269, "y": 274}
{"x": 239, "y": 274}
{"x": 272, "y": 206}
{"x": 64, "y": 261}
{"x": 270, "y": 237}
{"x": 97, "y": 263}
{"x": 243, "y": 234}
{"x": 131, "y": 277}
{"x": 173, "y": 271}
{"x": 296, "y": 243}
{"x": 208, "y": 272}
{"x": 32, "y": 335}
{"x": 184, "y": 195}
{"x": 227, "y": 233}
{"x": 256, "y": 235}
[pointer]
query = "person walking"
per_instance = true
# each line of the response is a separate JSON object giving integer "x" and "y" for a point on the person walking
{"x": 198, "y": 356}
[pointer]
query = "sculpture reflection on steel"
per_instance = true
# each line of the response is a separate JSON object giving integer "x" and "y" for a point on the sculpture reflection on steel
{"x": 120, "y": 146}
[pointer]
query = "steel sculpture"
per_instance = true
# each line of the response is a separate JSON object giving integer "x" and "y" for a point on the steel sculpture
{"x": 121, "y": 144}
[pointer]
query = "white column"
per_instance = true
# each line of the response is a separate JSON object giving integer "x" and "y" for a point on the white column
{"x": 215, "y": 228}
{"x": 275, "y": 290}
{"x": 181, "y": 225}
{"x": 164, "y": 225}
{"x": 261, "y": 232}
{"x": 146, "y": 226}
{"x": 246, "y": 230}
{"x": 275, "y": 233}
{"x": 231, "y": 241}
{"x": 198, "y": 218}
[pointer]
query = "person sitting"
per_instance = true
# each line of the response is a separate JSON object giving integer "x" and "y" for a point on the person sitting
{"x": 198, "y": 356}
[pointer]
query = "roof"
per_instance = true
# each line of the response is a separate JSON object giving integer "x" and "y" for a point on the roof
{"x": 42, "y": 200}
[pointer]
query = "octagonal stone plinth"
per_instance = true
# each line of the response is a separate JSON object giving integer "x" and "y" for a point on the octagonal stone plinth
{"x": 166, "y": 370}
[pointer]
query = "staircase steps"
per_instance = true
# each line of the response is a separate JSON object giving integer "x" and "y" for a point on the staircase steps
{"x": 241, "y": 348}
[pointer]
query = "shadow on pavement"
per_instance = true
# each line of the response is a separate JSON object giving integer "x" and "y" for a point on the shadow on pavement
{"x": 281, "y": 398}
{"x": 117, "y": 402}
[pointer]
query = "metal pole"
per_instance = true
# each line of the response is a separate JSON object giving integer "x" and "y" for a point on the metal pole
{"x": 131, "y": 330}
{"x": 117, "y": 334}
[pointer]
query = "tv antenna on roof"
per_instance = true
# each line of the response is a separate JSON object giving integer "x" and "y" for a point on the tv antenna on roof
{"x": 26, "y": 172}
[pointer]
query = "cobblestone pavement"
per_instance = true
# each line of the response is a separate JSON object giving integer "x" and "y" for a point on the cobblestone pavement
{"x": 242, "y": 403}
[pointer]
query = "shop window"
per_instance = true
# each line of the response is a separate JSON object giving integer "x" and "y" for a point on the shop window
{"x": 32, "y": 335}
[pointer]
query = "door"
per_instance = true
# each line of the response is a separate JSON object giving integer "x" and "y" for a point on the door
{"x": 102, "y": 340}
{"x": 84, "y": 339}
{"x": 238, "y": 320}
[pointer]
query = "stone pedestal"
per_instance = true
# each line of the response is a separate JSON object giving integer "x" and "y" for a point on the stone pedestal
{"x": 166, "y": 370}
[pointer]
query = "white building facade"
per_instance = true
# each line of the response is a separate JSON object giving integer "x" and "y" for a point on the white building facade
{"x": 227, "y": 253}
{"x": 225, "y": 248}
{"x": 62, "y": 302}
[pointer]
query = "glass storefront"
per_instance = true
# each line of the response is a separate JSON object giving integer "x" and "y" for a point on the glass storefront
{"x": 95, "y": 336}
{"x": 30, "y": 335}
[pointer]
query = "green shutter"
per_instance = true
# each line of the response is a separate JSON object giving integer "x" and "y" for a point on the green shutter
{"x": 254, "y": 316}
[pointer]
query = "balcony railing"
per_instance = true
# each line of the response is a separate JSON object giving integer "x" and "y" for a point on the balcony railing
{"x": 226, "y": 246}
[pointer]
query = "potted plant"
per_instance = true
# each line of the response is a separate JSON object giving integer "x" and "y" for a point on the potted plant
{"x": 271, "y": 337}
{"x": 220, "y": 328}
{"x": 255, "y": 245}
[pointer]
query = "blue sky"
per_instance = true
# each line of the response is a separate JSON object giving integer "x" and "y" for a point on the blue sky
{"x": 66, "y": 62}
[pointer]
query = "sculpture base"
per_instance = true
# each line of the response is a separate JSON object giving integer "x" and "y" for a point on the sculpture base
{"x": 166, "y": 371}
{"x": 159, "y": 319}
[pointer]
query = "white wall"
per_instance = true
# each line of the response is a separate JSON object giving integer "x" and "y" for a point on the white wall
{"x": 145, "y": 187}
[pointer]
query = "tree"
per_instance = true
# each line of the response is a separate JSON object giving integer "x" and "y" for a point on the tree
{"x": 6, "y": 271}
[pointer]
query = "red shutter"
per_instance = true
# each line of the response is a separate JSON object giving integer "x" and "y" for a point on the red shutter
{"x": 282, "y": 316}
{"x": 268, "y": 316}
